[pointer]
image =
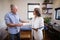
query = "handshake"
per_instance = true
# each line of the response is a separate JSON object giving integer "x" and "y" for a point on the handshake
{"x": 20, "y": 24}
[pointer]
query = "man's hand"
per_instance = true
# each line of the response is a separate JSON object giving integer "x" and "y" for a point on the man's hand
{"x": 20, "y": 24}
{"x": 14, "y": 25}
{"x": 27, "y": 21}
{"x": 24, "y": 21}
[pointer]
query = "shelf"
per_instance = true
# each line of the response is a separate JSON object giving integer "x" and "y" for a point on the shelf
{"x": 44, "y": 8}
{"x": 47, "y": 13}
{"x": 47, "y": 8}
{"x": 45, "y": 3}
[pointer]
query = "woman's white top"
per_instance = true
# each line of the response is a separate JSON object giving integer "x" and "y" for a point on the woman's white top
{"x": 37, "y": 22}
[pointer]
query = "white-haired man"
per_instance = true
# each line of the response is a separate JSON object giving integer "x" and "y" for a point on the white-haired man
{"x": 13, "y": 22}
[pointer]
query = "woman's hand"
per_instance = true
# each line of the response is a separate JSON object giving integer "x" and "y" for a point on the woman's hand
{"x": 35, "y": 29}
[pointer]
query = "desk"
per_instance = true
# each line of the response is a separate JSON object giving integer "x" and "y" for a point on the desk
{"x": 57, "y": 28}
{"x": 54, "y": 32}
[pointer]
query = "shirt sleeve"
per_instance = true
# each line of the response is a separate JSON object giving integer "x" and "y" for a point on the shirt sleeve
{"x": 7, "y": 20}
{"x": 41, "y": 24}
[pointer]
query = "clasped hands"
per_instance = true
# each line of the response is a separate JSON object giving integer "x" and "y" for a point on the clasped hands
{"x": 19, "y": 24}
{"x": 36, "y": 29}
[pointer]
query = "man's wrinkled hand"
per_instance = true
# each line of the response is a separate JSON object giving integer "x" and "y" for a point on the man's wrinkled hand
{"x": 20, "y": 24}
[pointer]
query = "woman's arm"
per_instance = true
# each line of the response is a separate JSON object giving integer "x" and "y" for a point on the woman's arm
{"x": 41, "y": 24}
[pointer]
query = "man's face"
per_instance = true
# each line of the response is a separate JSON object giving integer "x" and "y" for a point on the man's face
{"x": 14, "y": 10}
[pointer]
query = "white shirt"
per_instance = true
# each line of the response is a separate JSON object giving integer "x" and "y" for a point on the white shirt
{"x": 37, "y": 22}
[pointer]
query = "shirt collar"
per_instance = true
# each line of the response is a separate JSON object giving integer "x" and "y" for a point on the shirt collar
{"x": 12, "y": 13}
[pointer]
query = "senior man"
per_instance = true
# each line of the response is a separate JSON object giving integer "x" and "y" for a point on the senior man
{"x": 13, "y": 22}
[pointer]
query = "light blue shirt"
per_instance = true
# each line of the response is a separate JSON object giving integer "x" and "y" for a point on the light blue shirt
{"x": 12, "y": 18}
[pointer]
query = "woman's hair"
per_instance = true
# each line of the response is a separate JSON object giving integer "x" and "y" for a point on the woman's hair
{"x": 37, "y": 11}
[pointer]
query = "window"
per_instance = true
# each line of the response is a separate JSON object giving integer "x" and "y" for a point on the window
{"x": 31, "y": 7}
{"x": 57, "y": 15}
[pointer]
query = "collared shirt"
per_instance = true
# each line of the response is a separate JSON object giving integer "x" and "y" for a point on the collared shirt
{"x": 12, "y": 18}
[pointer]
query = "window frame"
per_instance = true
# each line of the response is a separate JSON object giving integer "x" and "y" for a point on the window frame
{"x": 28, "y": 9}
{"x": 56, "y": 13}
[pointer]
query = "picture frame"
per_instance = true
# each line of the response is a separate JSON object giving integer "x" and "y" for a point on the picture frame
{"x": 57, "y": 13}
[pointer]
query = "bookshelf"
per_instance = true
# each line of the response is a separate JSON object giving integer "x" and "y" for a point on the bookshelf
{"x": 47, "y": 6}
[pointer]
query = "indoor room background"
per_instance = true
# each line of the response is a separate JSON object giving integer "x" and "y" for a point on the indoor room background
{"x": 22, "y": 9}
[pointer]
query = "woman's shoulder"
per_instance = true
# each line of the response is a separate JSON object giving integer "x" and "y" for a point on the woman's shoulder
{"x": 40, "y": 17}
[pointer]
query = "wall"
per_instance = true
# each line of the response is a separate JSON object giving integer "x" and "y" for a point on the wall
{"x": 22, "y": 8}
{"x": 22, "y": 5}
{"x": 56, "y": 4}
{"x": 4, "y": 8}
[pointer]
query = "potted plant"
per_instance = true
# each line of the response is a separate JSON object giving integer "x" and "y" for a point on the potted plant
{"x": 47, "y": 20}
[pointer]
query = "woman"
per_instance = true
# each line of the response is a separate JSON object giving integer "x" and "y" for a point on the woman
{"x": 37, "y": 25}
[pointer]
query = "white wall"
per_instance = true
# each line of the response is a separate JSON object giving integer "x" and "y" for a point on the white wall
{"x": 22, "y": 4}
{"x": 56, "y": 4}
{"x": 22, "y": 7}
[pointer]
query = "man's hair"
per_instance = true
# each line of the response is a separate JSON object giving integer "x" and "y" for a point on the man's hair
{"x": 11, "y": 6}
